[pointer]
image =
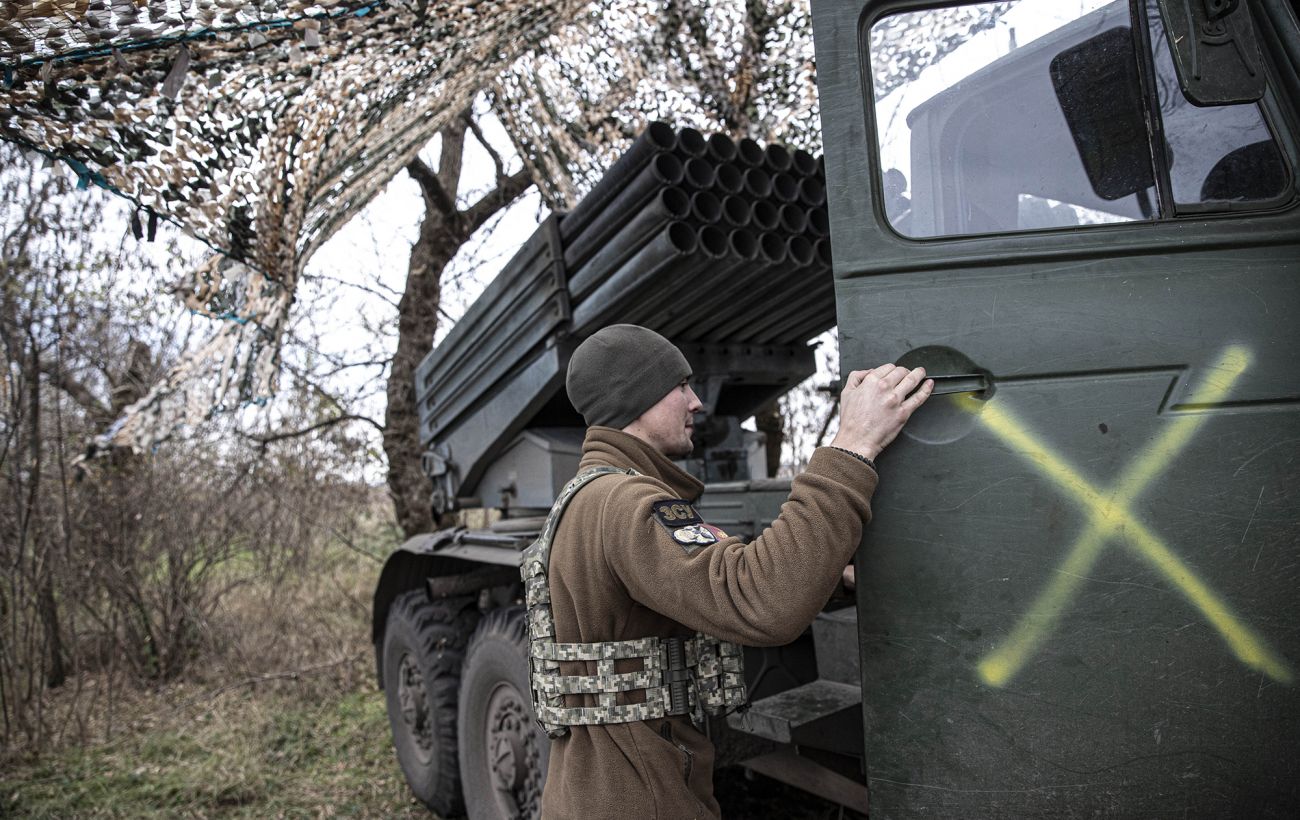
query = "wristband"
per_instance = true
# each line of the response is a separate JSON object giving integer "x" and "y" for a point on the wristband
{"x": 858, "y": 456}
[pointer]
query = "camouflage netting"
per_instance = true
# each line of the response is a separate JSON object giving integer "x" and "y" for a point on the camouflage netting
{"x": 260, "y": 127}
{"x": 263, "y": 127}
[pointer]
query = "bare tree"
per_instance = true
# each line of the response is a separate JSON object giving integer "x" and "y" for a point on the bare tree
{"x": 444, "y": 228}
{"x": 113, "y": 568}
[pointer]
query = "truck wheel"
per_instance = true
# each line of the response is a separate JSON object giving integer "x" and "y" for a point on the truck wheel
{"x": 503, "y": 752}
{"x": 424, "y": 644}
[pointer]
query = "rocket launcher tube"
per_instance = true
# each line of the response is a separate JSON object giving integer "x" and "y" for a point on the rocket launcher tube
{"x": 663, "y": 170}
{"x": 737, "y": 212}
{"x": 645, "y": 308}
{"x": 823, "y": 251}
{"x": 785, "y": 189}
{"x": 658, "y": 137}
{"x": 721, "y": 148}
{"x": 803, "y": 163}
{"x": 819, "y": 225}
{"x": 812, "y": 192}
{"x": 610, "y": 252}
{"x": 812, "y": 315}
{"x": 699, "y": 175}
{"x": 690, "y": 321}
{"x": 815, "y": 308}
{"x": 664, "y": 251}
{"x": 753, "y": 305}
{"x": 793, "y": 219}
{"x": 757, "y": 183}
{"x": 749, "y": 153}
{"x": 706, "y": 209}
{"x": 776, "y": 158}
{"x": 729, "y": 179}
{"x": 765, "y": 216}
{"x": 691, "y": 143}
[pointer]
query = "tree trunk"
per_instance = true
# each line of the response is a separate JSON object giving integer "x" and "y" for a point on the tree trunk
{"x": 443, "y": 230}
{"x": 417, "y": 321}
{"x": 57, "y": 671}
{"x": 33, "y": 532}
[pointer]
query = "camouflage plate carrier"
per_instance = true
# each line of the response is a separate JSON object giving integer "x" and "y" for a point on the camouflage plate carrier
{"x": 680, "y": 676}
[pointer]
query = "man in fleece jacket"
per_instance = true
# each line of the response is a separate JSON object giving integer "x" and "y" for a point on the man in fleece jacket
{"x": 632, "y": 559}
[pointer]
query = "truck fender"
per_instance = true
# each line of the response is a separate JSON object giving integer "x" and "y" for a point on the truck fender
{"x": 419, "y": 562}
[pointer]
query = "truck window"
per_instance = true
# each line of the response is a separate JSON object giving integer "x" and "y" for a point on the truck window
{"x": 1030, "y": 115}
{"x": 1216, "y": 154}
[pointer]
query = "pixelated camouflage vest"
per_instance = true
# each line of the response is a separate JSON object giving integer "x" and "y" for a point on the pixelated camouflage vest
{"x": 695, "y": 676}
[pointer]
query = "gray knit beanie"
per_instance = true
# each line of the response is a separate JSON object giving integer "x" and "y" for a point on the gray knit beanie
{"x": 620, "y": 372}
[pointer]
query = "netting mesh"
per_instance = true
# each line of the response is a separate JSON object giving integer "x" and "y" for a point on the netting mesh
{"x": 260, "y": 127}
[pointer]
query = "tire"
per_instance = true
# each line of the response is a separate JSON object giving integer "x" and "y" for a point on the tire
{"x": 424, "y": 644}
{"x": 503, "y": 752}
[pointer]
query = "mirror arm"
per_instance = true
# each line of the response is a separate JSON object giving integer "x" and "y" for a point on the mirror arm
{"x": 1218, "y": 9}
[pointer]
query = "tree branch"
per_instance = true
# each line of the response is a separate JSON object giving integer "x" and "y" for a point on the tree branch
{"x": 340, "y": 366}
{"x": 434, "y": 194}
{"x": 382, "y": 291}
{"x": 75, "y": 389}
{"x": 506, "y": 192}
{"x": 826, "y": 423}
{"x": 306, "y": 378}
{"x": 482, "y": 140}
{"x": 451, "y": 157}
{"x": 320, "y": 425}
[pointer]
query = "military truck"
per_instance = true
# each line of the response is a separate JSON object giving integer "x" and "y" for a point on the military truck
{"x": 1078, "y": 595}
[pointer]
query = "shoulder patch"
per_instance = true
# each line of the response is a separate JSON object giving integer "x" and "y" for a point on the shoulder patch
{"x": 695, "y": 535}
{"x": 684, "y": 524}
{"x": 674, "y": 513}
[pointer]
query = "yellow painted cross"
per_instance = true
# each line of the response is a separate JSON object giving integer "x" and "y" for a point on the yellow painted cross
{"x": 1108, "y": 517}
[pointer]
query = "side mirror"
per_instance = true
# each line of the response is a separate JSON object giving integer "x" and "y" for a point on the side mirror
{"x": 1216, "y": 51}
{"x": 1098, "y": 88}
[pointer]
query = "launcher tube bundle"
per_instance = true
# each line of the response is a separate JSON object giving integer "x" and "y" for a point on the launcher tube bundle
{"x": 720, "y": 245}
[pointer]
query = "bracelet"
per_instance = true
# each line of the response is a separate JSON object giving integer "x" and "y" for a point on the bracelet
{"x": 858, "y": 456}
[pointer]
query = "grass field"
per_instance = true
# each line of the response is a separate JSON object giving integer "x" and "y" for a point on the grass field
{"x": 280, "y": 717}
{"x": 248, "y": 755}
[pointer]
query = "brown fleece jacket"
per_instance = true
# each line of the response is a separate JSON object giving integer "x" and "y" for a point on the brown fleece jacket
{"x": 616, "y": 573}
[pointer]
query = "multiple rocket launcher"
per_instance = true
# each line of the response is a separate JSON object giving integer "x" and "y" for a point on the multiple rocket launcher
{"x": 720, "y": 245}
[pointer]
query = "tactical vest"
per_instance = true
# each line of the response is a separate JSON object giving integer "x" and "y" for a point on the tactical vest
{"x": 695, "y": 676}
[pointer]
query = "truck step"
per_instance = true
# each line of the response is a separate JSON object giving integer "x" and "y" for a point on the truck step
{"x": 807, "y": 711}
{"x": 814, "y": 778}
{"x": 835, "y": 634}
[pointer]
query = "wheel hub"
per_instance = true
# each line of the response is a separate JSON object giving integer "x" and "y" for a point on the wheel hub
{"x": 513, "y": 752}
{"x": 412, "y": 697}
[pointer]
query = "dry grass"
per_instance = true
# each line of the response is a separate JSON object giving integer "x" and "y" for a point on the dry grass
{"x": 281, "y": 718}
{"x": 249, "y": 755}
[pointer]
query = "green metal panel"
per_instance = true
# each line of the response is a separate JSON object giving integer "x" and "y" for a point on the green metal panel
{"x": 1079, "y": 595}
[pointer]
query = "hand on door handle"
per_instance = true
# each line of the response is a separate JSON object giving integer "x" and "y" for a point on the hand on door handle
{"x": 876, "y": 403}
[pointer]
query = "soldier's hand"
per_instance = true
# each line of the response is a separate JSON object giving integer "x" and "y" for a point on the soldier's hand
{"x": 876, "y": 403}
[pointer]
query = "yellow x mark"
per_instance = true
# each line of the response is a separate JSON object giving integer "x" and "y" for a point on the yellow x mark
{"x": 1109, "y": 516}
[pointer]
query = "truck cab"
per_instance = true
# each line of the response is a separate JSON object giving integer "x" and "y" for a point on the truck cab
{"x": 1078, "y": 593}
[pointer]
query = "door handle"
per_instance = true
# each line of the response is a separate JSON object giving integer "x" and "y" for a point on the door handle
{"x": 960, "y": 386}
{"x": 945, "y": 384}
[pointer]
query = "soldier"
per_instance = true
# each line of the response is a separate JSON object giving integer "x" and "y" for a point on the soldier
{"x": 646, "y": 596}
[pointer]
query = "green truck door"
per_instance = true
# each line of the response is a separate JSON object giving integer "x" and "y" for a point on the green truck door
{"x": 1081, "y": 591}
